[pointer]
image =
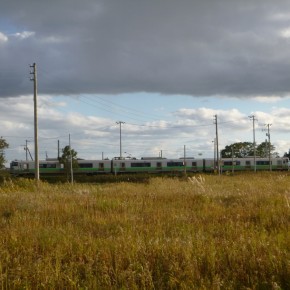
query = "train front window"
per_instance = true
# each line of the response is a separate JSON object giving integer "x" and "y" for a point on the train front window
{"x": 14, "y": 163}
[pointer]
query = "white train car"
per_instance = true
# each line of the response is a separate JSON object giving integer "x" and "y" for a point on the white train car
{"x": 156, "y": 165}
{"x": 91, "y": 167}
{"x": 248, "y": 163}
{"x": 25, "y": 167}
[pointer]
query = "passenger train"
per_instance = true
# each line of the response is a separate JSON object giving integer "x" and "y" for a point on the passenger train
{"x": 150, "y": 165}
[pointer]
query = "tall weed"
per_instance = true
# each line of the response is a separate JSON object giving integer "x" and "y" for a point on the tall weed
{"x": 207, "y": 232}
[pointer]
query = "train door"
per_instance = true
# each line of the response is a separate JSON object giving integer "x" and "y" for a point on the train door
{"x": 123, "y": 166}
{"x": 248, "y": 165}
{"x": 159, "y": 166}
{"x": 279, "y": 164}
{"x": 101, "y": 166}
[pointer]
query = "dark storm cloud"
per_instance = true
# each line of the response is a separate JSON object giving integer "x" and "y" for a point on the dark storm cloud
{"x": 199, "y": 48}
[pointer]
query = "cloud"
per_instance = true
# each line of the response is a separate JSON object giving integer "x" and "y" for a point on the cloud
{"x": 199, "y": 48}
{"x": 91, "y": 136}
{"x": 267, "y": 99}
{"x": 3, "y": 37}
{"x": 24, "y": 34}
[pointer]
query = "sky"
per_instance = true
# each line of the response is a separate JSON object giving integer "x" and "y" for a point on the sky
{"x": 162, "y": 67}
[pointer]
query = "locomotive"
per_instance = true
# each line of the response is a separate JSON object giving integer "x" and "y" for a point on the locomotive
{"x": 150, "y": 165}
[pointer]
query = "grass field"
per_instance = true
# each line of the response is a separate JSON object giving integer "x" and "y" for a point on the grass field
{"x": 207, "y": 232}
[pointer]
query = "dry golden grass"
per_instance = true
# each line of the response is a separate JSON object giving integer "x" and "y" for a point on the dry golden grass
{"x": 206, "y": 232}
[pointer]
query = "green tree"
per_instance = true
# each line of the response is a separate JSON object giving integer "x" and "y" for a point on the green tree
{"x": 287, "y": 154}
{"x": 67, "y": 156}
{"x": 238, "y": 150}
{"x": 262, "y": 150}
{"x": 246, "y": 149}
{"x": 3, "y": 146}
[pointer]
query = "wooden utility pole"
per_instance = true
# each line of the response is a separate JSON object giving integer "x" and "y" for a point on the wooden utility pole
{"x": 184, "y": 158}
{"x": 71, "y": 162}
{"x": 217, "y": 143}
{"x": 269, "y": 144}
{"x": 120, "y": 123}
{"x": 34, "y": 79}
{"x": 254, "y": 141}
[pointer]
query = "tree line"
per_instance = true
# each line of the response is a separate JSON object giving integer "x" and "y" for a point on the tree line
{"x": 246, "y": 149}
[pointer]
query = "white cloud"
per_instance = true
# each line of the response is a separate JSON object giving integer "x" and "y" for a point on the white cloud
{"x": 53, "y": 39}
{"x": 91, "y": 135}
{"x": 267, "y": 99}
{"x": 285, "y": 33}
{"x": 24, "y": 34}
{"x": 3, "y": 37}
{"x": 280, "y": 16}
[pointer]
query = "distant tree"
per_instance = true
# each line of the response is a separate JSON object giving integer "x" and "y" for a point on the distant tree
{"x": 3, "y": 146}
{"x": 238, "y": 150}
{"x": 287, "y": 154}
{"x": 68, "y": 155}
{"x": 245, "y": 149}
{"x": 262, "y": 150}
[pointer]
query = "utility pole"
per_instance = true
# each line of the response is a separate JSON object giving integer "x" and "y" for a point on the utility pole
{"x": 34, "y": 79}
{"x": 184, "y": 158}
{"x": 254, "y": 141}
{"x": 26, "y": 150}
{"x": 233, "y": 166}
{"x": 217, "y": 143}
{"x": 71, "y": 162}
{"x": 26, "y": 141}
{"x": 269, "y": 145}
{"x": 214, "y": 154}
{"x": 58, "y": 155}
{"x": 120, "y": 123}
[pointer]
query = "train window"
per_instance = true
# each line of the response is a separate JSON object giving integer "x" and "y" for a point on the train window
{"x": 123, "y": 165}
{"x": 42, "y": 165}
{"x": 194, "y": 163}
{"x": 85, "y": 165}
{"x": 263, "y": 162}
{"x": 159, "y": 165}
{"x": 230, "y": 163}
{"x": 141, "y": 164}
{"x": 52, "y": 165}
{"x": 101, "y": 165}
{"x": 14, "y": 163}
{"x": 173, "y": 163}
